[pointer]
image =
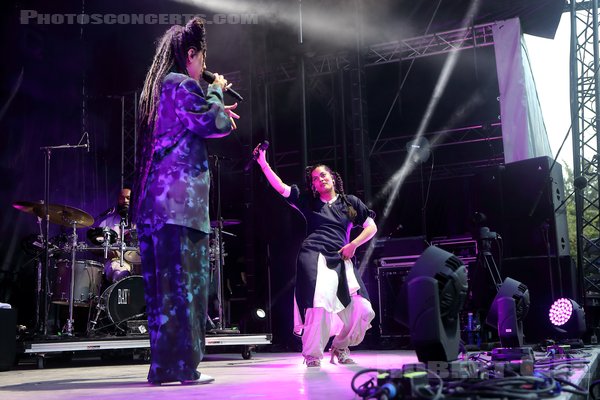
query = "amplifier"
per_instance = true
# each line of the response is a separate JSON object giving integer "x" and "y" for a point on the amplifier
{"x": 464, "y": 248}
{"x": 400, "y": 261}
{"x": 390, "y": 247}
{"x": 389, "y": 280}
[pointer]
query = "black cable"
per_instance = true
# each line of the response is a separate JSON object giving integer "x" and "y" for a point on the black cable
{"x": 550, "y": 382}
{"x": 593, "y": 386}
{"x": 367, "y": 389}
{"x": 574, "y": 391}
{"x": 506, "y": 387}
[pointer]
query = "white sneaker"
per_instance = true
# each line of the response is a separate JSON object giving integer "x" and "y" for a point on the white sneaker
{"x": 204, "y": 378}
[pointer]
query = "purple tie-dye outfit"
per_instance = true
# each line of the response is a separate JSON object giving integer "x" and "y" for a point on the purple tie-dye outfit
{"x": 173, "y": 225}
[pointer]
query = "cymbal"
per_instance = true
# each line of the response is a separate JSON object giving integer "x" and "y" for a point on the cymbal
{"x": 27, "y": 206}
{"x": 226, "y": 222}
{"x": 65, "y": 215}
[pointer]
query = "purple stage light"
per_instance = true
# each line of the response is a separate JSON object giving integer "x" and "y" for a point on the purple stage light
{"x": 561, "y": 311}
{"x": 509, "y": 308}
{"x": 568, "y": 318}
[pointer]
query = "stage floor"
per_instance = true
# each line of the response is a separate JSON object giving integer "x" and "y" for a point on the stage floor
{"x": 265, "y": 376}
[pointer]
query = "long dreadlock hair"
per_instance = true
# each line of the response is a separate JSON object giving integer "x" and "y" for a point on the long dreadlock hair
{"x": 338, "y": 186}
{"x": 171, "y": 55}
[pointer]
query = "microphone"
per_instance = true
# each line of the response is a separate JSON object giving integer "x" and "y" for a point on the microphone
{"x": 263, "y": 146}
{"x": 210, "y": 78}
{"x": 111, "y": 210}
{"x": 87, "y": 136}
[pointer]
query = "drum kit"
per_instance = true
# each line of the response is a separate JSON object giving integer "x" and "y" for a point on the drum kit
{"x": 77, "y": 282}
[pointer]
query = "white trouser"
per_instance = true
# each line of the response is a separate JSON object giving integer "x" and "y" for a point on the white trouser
{"x": 356, "y": 319}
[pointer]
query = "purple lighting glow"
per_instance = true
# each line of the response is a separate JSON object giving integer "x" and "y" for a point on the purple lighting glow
{"x": 561, "y": 311}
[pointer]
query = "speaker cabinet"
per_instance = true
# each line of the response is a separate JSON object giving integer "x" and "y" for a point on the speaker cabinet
{"x": 531, "y": 194}
{"x": 519, "y": 200}
{"x": 390, "y": 279}
{"x": 8, "y": 329}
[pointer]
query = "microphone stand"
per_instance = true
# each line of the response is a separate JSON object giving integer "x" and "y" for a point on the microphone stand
{"x": 38, "y": 278}
{"x": 43, "y": 328}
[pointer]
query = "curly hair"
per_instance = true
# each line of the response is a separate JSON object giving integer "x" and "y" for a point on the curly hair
{"x": 338, "y": 186}
{"x": 171, "y": 55}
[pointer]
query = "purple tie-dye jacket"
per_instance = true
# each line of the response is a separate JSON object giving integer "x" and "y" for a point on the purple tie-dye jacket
{"x": 179, "y": 179}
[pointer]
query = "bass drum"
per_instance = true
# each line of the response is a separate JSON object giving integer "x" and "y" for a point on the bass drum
{"x": 124, "y": 300}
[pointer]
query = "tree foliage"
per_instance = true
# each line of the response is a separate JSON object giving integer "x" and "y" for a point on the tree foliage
{"x": 590, "y": 213}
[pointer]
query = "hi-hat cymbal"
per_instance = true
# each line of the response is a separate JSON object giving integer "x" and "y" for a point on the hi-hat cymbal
{"x": 226, "y": 222}
{"x": 27, "y": 206}
{"x": 65, "y": 215}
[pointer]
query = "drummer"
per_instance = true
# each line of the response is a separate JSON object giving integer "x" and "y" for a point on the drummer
{"x": 115, "y": 270}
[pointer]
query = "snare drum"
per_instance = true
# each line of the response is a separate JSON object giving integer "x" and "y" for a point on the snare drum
{"x": 88, "y": 278}
{"x": 133, "y": 256}
{"x": 124, "y": 300}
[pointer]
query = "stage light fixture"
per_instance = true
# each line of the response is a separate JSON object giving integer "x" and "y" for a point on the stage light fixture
{"x": 429, "y": 304}
{"x": 254, "y": 321}
{"x": 259, "y": 314}
{"x": 509, "y": 308}
{"x": 418, "y": 150}
{"x": 567, "y": 317}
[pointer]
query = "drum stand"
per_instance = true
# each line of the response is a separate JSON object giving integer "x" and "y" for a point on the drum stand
{"x": 121, "y": 241}
{"x": 100, "y": 306}
{"x": 92, "y": 324}
{"x": 71, "y": 321}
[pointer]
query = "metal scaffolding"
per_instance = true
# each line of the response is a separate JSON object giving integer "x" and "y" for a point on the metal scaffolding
{"x": 585, "y": 108}
{"x": 351, "y": 66}
{"x": 395, "y": 51}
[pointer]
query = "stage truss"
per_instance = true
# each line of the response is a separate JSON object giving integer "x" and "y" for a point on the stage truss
{"x": 585, "y": 109}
